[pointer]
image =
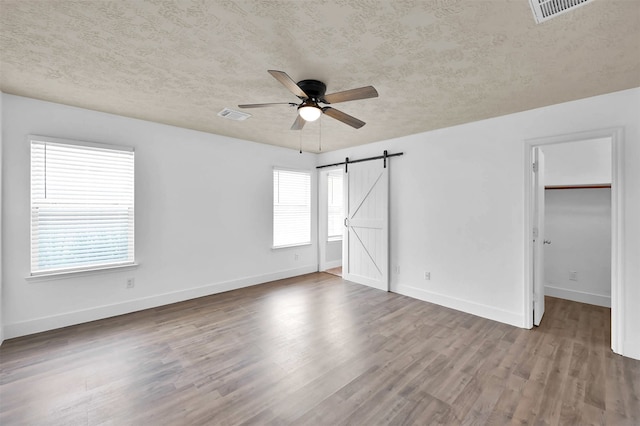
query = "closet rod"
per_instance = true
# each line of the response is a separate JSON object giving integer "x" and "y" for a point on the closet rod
{"x": 605, "y": 185}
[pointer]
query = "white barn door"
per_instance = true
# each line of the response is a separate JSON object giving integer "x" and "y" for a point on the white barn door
{"x": 365, "y": 247}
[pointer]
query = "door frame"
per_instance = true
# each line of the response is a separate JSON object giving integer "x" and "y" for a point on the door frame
{"x": 323, "y": 212}
{"x": 616, "y": 134}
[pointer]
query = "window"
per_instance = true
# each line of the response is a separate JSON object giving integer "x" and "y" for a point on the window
{"x": 81, "y": 206}
{"x": 335, "y": 216}
{"x": 291, "y": 208}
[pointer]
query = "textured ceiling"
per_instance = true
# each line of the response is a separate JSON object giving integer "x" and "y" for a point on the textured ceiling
{"x": 435, "y": 63}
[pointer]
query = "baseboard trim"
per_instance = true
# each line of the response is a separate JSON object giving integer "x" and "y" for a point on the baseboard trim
{"x": 484, "y": 311}
{"x": 578, "y": 296}
{"x": 100, "y": 312}
{"x": 631, "y": 349}
{"x": 332, "y": 264}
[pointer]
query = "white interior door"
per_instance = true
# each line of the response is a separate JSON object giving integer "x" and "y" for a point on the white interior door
{"x": 365, "y": 246}
{"x": 538, "y": 236}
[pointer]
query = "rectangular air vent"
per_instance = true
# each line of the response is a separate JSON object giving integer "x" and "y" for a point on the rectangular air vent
{"x": 233, "y": 115}
{"x": 544, "y": 10}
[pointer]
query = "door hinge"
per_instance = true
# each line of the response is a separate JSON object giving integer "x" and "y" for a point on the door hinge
{"x": 535, "y": 232}
{"x": 535, "y": 167}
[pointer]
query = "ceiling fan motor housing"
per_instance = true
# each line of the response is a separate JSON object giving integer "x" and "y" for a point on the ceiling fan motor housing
{"x": 314, "y": 88}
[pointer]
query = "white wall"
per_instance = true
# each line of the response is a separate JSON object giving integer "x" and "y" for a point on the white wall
{"x": 578, "y": 163}
{"x": 203, "y": 217}
{"x": 457, "y": 207}
{"x": 578, "y": 224}
{"x": 1, "y": 240}
{"x": 334, "y": 252}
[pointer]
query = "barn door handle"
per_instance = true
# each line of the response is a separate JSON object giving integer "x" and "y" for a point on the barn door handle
{"x": 345, "y": 222}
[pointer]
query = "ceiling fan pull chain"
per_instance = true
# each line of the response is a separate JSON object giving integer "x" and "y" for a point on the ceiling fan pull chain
{"x": 300, "y": 141}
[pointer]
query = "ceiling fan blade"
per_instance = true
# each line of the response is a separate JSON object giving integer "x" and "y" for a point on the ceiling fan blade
{"x": 345, "y": 118}
{"x": 266, "y": 105}
{"x": 298, "y": 124}
{"x": 351, "y": 95}
{"x": 287, "y": 82}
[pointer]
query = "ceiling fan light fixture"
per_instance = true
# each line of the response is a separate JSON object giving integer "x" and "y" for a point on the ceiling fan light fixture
{"x": 309, "y": 112}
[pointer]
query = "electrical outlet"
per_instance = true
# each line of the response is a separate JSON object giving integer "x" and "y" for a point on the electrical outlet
{"x": 397, "y": 269}
{"x": 573, "y": 275}
{"x": 131, "y": 282}
{"x": 295, "y": 256}
{"x": 427, "y": 275}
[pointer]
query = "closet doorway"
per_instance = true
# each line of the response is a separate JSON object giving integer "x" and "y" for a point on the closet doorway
{"x": 577, "y": 216}
{"x": 583, "y": 182}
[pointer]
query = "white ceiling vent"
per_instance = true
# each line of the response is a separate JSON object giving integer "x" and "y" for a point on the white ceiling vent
{"x": 544, "y": 10}
{"x": 233, "y": 115}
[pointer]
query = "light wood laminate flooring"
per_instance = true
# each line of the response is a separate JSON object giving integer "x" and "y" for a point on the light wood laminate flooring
{"x": 317, "y": 350}
{"x": 335, "y": 271}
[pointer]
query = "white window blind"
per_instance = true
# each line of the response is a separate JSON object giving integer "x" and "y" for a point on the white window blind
{"x": 82, "y": 200}
{"x": 335, "y": 214}
{"x": 291, "y": 208}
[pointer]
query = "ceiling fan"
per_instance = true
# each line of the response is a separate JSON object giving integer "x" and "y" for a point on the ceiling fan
{"x": 312, "y": 93}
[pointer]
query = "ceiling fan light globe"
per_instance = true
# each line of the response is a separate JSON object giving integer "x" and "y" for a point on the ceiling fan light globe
{"x": 309, "y": 113}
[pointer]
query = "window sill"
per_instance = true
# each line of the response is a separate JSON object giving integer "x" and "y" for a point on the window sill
{"x": 334, "y": 239}
{"x": 80, "y": 273}
{"x": 289, "y": 246}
